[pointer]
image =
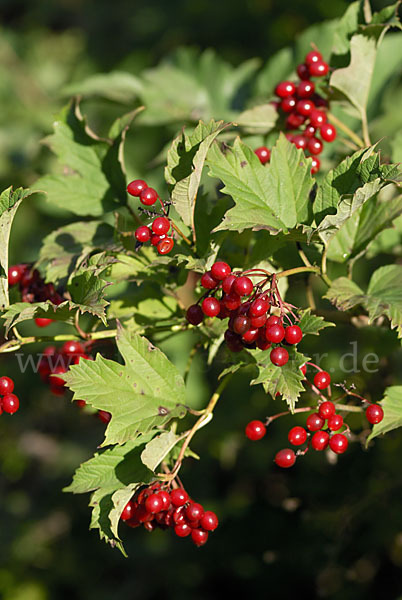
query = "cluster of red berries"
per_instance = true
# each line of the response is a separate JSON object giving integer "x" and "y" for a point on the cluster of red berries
{"x": 9, "y": 402}
{"x": 160, "y": 228}
{"x": 156, "y": 507}
{"x": 304, "y": 110}
{"x": 248, "y": 308}
{"x": 33, "y": 288}
{"x": 320, "y": 428}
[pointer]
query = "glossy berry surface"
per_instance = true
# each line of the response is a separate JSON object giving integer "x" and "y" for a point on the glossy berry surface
{"x": 297, "y": 436}
{"x": 10, "y": 403}
{"x": 227, "y": 283}
{"x": 165, "y": 246}
{"x": 279, "y": 356}
{"x": 208, "y": 282}
{"x": 178, "y": 497}
{"x": 288, "y": 104}
{"x": 317, "y": 118}
{"x": 335, "y": 422}
{"x": 314, "y": 145}
{"x": 135, "y": 187}
{"x": 319, "y": 69}
{"x": 72, "y": 348}
{"x": 199, "y": 537}
{"x": 182, "y": 529}
{"x": 322, "y": 379}
{"x": 319, "y": 440}
{"x": 241, "y": 324}
{"x": 148, "y": 196}
{"x": 314, "y": 422}
{"x": 43, "y": 322}
{"x": 161, "y": 225}
{"x": 303, "y": 71}
{"x": 313, "y": 57}
{"x": 220, "y": 270}
{"x": 194, "y": 314}
{"x": 293, "y": 334}
{"x": 315, "y": 165}
{"x": 275, "y": 334}
{"x": 374, "y": 413}
{"x": 194, "y": 511}
{"x": 285, "y": 88}
{"x": 263, "y": 153}
{"x": 15, "y": 273}
{"x": 209, "y": 521}
{"x": 6, "y": 385}
{"x": 154, "y": 503}
{"x": 210, "y": 307}
{"x": 285, "y": 458}
{"x": 327, "y": 409}
{"x": 255, "y": 430}
{"x": 104, "y": 416}
{"x": 128, "y": 511}
{"x": 258, "y": 308}
{"x": 304, "y": 107}
{"x": 143, "y": 234}
{"x": 243, "y": 286}
{"x": 305, "y": 89}
{"x": 338, "y": 443}
{"x": 328, "y": 132}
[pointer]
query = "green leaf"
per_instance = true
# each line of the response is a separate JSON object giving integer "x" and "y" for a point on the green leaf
{"x": 185, "y": 162}
{"x": 354, "y": 237}
{"x": 118, "y": 86}
{"x": 87, "y": 289}
{"x": 147, "y": 391}
{"x": 277, "y": 68}
{"x": 259, "y": 119}
{"x": 92, "y": 181}
{"x": 286, "y": 380}
{"x": 159, "y": 447}
{"x": 272, "y": 198}
{"x": 392, "y": 406}
{"x": 67, "y": 247}
{"x": 9, "y": 203}
{"x": 346, "y": 26}
{"x": 312, "y": 324}
{"x": 345, "y": 293}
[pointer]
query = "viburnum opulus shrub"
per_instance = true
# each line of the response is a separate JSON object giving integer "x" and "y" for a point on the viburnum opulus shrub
{"x": 297, "y": 186}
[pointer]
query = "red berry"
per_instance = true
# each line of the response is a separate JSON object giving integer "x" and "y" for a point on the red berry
{"x": 273, "y": 320}
{"x": 128, "y": 511}
{"x": 304, "y": 107}
{"x": 303, "y": 71}
{"x": 297, "y": 436}
{"x": 338, "y": 443}
{"x": 143, "y": 234}
{"x": 315, "y": 165}
{"x": 220, "y": 270}
{"x": 263, "y": 153}
{"x": 148, "y": 196}
{"x": 58, "y": 381}
{"x": 258, "y": 321}
{"x": 317, "y": 117}
{"x": 305, "y": 89}
{"x": 178, "y": 497}
{"x": 285, "y": 458}
{"x": 288, "y": 104}
{"x": 293, "y": 334}
{"x": 285, "y": 88}
{"x": 241, "y": 324}
{"x": 255, "y": 430}
{"x": 335, "y": 422}
{"x": 313, "y": 57}
{"x": 300, "y": 141}
{"x": 199, "y": 537}
{"x": 303, "y": 369}
{"x": 233, "y": 341}
{"x": 231, "y": 301}
{"x": 279, "y": 356}
{"x": 154, "y": 503}
{"x": 314, "y": 145}
{"x": 258, "y": 308}
{"x": 328, "y": 132}
{"x": 322, "y": 379}
{"x": 165, "y": 245}
{"x": 155, "y": 239}
{"x": 194, "y": 314}
{"x": 72, "y": 348}
{"x": 275, "y": 334}
{"x": 374, "y": 413}
{"x": 6, "y": 385}
{"x": 243, "y": 286}
{"x": 194, "y": 511}
{"x": 43, "y": 322}
{"x": 15, "y": 273}
{"x": 326, "y": 409}
{"x": 319, "y": 69}
{"x": 320, "y": 440}
{"x": 208, "y": 281}
{"x": 161, "y": 225}
{"x": 135, "y": 187}
{"x": 294, "y": 120}
{"x": 251, "y": 335}
{"x": 182, "y": 529}
{"x": 10, "y": 403}
{"x": 314, "y": 422}
{"x": 209, "y": 521}
{"x": 227, "y": 283}
{"x": 104, "y": 416}
{"x": 211, "y": 307}
{"x": 309, "y": 131}
{"x": 80, "y": 403}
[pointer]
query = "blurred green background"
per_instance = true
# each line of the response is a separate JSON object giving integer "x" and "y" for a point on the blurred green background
{"x": 321, "y": 531}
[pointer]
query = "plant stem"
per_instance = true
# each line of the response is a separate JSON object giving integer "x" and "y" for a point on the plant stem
{"x": 297, "y": 270}
{"x": 181, "y": 234}
{"x": 351, "y": 134}
{"x": 365, "y": 130}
